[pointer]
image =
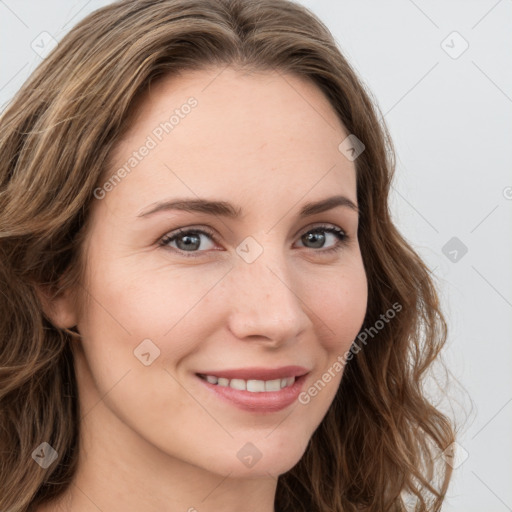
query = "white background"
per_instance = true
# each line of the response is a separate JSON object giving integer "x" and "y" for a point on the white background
{"x": 451, "y": 122}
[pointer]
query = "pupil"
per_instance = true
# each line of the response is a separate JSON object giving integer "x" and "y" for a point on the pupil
{"x": 317, "y": 238}
{"x": 187, "y": 245}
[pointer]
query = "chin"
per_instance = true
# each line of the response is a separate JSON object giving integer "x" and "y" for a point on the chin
{"x": 261, "y": 458}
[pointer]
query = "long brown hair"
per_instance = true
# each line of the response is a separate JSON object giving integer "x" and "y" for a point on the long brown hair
{"x": 381, "y": 437}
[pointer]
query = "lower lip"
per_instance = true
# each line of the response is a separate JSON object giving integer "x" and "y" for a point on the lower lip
{"x": 266, "y": 401}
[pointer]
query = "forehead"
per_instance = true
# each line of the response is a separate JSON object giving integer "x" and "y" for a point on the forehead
{"x": 216, "y": 130}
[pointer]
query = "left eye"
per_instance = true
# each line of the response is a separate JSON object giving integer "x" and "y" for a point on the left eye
{"x": 189, "y": 240}
{"x": 316, "y": 236}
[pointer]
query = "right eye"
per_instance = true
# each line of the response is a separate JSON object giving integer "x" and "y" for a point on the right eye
{"x": 187, "y": 240}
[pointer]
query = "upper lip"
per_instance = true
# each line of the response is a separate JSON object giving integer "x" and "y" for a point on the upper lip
{"x": 258, "y": 373}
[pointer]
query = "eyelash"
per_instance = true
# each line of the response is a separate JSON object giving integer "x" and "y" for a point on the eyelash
{"x": 339, "y": 233}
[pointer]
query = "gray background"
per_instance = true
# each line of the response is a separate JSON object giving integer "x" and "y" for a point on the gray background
{"x": 450, "y": 115}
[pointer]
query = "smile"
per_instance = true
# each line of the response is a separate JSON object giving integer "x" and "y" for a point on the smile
{"x": 255, "y": 396}
{"x": 253, "y": 386}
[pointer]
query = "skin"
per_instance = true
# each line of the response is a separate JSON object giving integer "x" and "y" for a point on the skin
{"x": 153, "y": 437}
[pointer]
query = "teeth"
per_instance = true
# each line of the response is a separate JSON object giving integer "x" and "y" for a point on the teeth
{"x": 236, "y": 384}
{"x": 254, "y": 386}
{"x": 272, "y": 385}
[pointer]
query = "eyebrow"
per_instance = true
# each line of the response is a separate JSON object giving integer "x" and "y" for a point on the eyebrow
{"x": 225, "y": 209}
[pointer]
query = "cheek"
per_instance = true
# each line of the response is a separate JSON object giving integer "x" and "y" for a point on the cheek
{"x": 146, "y": 301}
{"x": 339, "y": 311}
{"x": 172, "y": 306}
{"x": 340, "y": 307}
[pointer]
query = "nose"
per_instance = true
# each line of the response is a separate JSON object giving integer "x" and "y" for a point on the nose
{"x": 265, "y": 301}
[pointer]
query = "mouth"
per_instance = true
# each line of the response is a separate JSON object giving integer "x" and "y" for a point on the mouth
{"x": 255, "y": 395}
{"x": 250, "y": 385}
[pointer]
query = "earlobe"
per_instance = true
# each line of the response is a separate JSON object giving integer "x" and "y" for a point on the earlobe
{"x": 59, "y": 309}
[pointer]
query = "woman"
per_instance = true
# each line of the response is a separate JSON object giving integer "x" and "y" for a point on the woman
{"x": 206, "y": 305}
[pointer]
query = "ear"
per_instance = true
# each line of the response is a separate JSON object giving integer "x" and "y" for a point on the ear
{"x": 59, "y": 308}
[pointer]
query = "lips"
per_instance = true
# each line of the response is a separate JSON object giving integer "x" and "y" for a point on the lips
{"x": 257, "y": 373}
{"x": 257, "y": 401}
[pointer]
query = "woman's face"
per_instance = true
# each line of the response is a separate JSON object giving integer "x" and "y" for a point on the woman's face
{"x": 257, "y": 290}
